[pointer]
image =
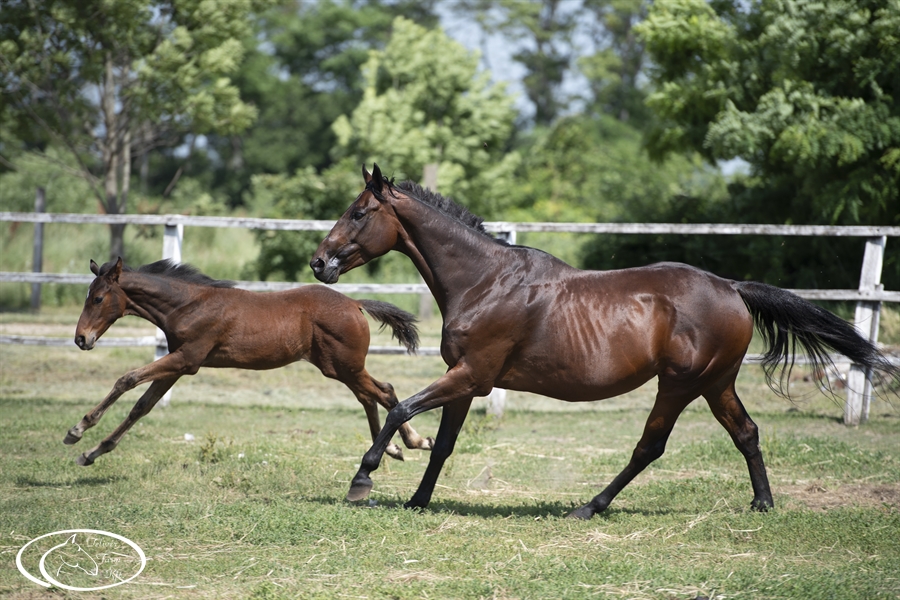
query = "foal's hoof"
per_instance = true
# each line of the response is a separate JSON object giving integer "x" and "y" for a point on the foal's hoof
{"x": 429, "y": 444}
{"x": 584, "y": 513}
{"x": 72, "y": 437}
{"x": 83, "y": 460}
{"x": 359, "y": 488}
{"x": 394, "y": 451}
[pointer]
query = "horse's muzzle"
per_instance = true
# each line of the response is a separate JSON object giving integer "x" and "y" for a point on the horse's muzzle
{"x": 84, "y": 344}
{"x": 325, "y": 272}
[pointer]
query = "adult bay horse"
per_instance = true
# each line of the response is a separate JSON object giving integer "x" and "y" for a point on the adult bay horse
{"x": 209, "y": 323}
{"x": 521, "y": 319}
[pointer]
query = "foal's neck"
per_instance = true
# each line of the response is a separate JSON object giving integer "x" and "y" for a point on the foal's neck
{"x": 153, "y": 298}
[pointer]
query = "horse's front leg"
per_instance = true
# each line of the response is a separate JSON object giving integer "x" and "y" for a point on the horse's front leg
{"x": 457, "y": 385}
{"x": 452, "y": 420}
{"x": 144, "y": 405}
{"x": 126, "y": 382}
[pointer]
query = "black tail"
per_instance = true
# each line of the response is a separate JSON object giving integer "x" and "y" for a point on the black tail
{"x": 786, "y": 321}
{"x": 401, "y": 322}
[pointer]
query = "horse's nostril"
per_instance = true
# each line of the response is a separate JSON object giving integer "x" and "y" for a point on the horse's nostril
{"x": 317, "y": 264}
{"x": 79, "y": 341}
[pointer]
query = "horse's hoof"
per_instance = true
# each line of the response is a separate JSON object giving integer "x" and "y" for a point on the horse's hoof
{"x": 761, "y": 505}
{"x": 394, "y": 451}
{"x": 71, "y": 438}
{"x": 429, "y": 443}
{"x": 83, "y": 460}
{"x": 584, "y": 513}
{"x": 359, "y": 489}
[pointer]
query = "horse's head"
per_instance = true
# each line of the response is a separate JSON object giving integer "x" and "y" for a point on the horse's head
{"x": 104, "y": 305}
{"x": 367, "y": 230}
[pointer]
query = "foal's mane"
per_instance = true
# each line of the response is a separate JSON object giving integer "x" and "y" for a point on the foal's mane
{"x": 180, "y": 271}
{"x": 444, "y": 205}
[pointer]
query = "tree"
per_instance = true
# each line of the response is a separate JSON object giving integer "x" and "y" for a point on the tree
{"x": 807, "y": 93}
{"x": 110, "y": 80}
{"x": 614, "y": 69}
{"x": 302, "y": 71}
{"x": 542, "y": 34}
{"x": 425, "y": 102}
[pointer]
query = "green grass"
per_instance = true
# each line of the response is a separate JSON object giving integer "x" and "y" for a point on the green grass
{"x": 253, "y": 506}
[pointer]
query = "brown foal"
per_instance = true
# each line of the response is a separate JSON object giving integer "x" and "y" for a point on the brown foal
{"x": 209, "y": 323}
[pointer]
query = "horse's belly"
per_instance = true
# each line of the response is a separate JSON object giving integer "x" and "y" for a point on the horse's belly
{"x": 577, "y": 380}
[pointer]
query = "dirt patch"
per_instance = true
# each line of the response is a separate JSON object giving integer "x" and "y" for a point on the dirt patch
{"x": 824, "y": 496}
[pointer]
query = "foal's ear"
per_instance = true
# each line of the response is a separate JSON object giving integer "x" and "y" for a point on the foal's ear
{"x": 366, "y": 177}
{"x": 95, "y": 268}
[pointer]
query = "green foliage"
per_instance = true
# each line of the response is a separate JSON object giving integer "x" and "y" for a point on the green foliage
{"x": 425, "y": 103}
{"x": 306, "y": 195}
{"x": 105, "y": 81}
{"x": 805, "y": 92}
{"x": 594, "y": 169}
{"x": 301, "y": 79}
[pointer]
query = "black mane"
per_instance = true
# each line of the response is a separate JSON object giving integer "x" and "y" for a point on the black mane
{"x": 445, "y": 205}
{"x": 180, "y": 271}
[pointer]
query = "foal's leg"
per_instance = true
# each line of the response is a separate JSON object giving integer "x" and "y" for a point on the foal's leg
{"x": 146, "y": 402}
{"x": 728, "y": 410}
{"x": 667, "y": 408}
{"x": 451, "y": 423}
{"x": 411, "y": 438}
{"x": 167, "y": 366}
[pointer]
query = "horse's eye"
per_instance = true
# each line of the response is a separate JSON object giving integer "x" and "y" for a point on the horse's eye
{"x": 357, "y": 215}
{"x": 98, "y": 299}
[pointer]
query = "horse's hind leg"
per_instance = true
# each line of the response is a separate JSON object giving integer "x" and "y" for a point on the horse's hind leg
{"x": 146, "y": 402}
{"x": 651, "y": 446}
{"x": 728, "y": 410}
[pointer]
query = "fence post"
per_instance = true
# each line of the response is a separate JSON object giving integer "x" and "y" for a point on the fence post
{"x": 37, "y": 255}
{"x": 859, "y": 380}
{"x": 172, "y": 240}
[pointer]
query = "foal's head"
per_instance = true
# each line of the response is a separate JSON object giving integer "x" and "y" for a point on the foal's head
{"x": 367, "y": 230}
{"x": 104, "y": 305}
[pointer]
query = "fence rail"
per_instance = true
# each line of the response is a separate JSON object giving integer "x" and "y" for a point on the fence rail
{"x": 869, "y": 295}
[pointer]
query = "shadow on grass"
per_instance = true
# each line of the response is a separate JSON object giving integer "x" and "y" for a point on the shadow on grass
{"x": 491, "y": 511}
{"x": 85, "y": 481}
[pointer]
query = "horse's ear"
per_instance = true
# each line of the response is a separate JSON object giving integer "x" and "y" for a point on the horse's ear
{"x": 377, "y": 178}
{"x": 116, "y": 270}
{"x": 95, "y": 268}
{"x": 366, "y": 177}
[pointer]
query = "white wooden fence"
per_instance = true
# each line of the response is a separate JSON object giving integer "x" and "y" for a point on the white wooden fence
{"x": 868, "y": 296}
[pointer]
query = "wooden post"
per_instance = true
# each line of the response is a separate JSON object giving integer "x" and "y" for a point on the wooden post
{"x": 859, "y": 380}
{"x": 172, "y": 240}
{"x": 37, "y": 256}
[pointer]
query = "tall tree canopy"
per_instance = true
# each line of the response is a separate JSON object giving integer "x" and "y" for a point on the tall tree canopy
{"x": 107, "y": 80}
{"x": 808, "y": 93}
{"x": 303, "y": 71}
{"x": 425, "y": 102}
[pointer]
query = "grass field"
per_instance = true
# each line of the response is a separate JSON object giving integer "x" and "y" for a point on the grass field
{"x": 253, "y": 506}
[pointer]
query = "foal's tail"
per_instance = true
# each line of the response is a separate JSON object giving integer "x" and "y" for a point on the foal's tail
{"x": 786, "y": 320}
{"x": 401, "y": 322}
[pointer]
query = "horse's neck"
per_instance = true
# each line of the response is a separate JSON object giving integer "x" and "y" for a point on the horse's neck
{"x": 450, "y": 256}
{"x": 151, "y": 298}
